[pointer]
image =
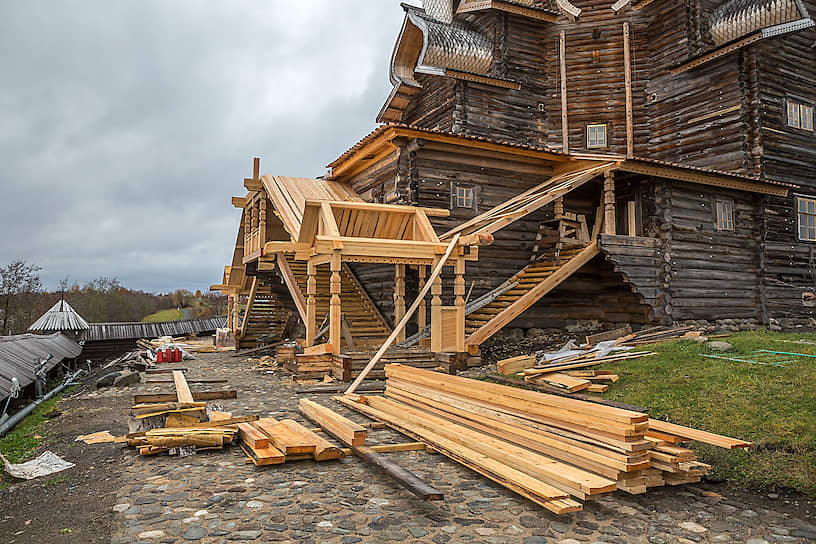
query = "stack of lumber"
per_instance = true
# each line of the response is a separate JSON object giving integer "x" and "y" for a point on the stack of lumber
{"x": 550, "y": 449}
{"x": 271, "y": 442}
{"x": 656, "y": 335}
{"x": 285, "y": 354}
{"x": 348, "y": 366}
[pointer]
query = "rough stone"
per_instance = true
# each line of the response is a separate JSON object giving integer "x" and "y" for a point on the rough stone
{"x": 720, "y": 346}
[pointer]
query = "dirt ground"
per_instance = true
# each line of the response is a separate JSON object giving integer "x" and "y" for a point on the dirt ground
{"x": 73, "y": 505}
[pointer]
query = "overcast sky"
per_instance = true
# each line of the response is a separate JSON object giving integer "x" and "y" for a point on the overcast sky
{"x": 125, "y": 127}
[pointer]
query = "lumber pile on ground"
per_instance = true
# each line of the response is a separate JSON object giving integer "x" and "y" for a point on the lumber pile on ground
{"x": 348, "y": 366}
{"x": 553, "y": 450}
{"x": 271, "y": 442}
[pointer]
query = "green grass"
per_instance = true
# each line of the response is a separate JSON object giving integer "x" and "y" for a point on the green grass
{"x": 18, "y": 444}
{"x": 774, "y": 407}
{"x": 165, "y": 315}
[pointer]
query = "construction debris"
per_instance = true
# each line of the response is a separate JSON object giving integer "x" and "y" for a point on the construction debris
{"x": 550, "y": 449}
{"x": 46, "y": 464}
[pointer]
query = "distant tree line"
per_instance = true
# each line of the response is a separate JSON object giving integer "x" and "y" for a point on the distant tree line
{"x": 23, "y": 299}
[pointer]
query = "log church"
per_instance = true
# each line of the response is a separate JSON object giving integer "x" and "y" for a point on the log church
{"x": 546, "y": 162}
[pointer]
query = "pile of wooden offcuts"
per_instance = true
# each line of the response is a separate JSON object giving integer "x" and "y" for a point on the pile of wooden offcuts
{"x": 550, "y": 449}
{"x": 570, "y": 373}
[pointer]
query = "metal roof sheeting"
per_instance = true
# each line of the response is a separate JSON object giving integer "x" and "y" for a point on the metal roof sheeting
{"x": 61, "y": 317}
{"x": 20, "y": 354}
{"x": 99, "y": 332}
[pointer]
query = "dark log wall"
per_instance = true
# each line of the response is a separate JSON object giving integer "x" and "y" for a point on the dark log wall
{"x": 639, "y": 261}
{"x": 433, "y": 105}
{"x": 788, "y": 266}
{"x": 595, "y": 292}
{"x": 379, "y": 179}
{"x": 787, "y": 70}
{"x": 695, "y": 117}
{"x": 714, "y": 274}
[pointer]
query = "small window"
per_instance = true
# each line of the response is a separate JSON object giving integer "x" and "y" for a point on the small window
{"x": 596, "y": 136}
{"x": 807, "y": 218}
{"x": 725, "y": 214}
{"x": 464, "y": 197}
{"x": 800, "y": 116}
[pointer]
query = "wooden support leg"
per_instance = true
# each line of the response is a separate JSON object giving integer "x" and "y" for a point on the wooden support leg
{"x": 335, "y": 309}
{"x": 609, "y": 203}
{"x": 399, "y": 298}
{"x": 422, "y": 313}
{"x": 229, "y": 314}
{"x": 311, "y": 303}
{"x": 459, "y": 303}
{"x": 436, "y": 312}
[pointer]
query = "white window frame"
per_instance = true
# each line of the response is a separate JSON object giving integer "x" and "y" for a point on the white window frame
{"x": 592, "y": 139}
{"x": 806, "y": 218}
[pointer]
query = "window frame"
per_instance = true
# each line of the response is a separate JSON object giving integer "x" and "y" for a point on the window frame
{"x": 474, "y": 193}
{"x": 804, "y": 116}
{"x": 729, "y": 222}
{"x": 606, "y": 135}
{"x": 797, "y": 210}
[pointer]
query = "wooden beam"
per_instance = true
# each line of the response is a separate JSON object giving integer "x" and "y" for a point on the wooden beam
{"x": 198, "y": 396}
{"x": 532, "y": 296}
{"x": 563, "y": 66}
{"x": 335, "y": 302}
{"x": 239, "y": 201}
{"x": 182, "y": 389}
{"x": 407, "y": 479}
{"x": 342, "y": 428}
{"x": 311, "y": 303}
{"x": 248, "y": 311}
{"x": 627, "y": 79}
{"x": 253, "y": 185}
{"x": 404, "y": 321}
{"x": 714, "y": 179}
{"x": 399, "y": 297}
{"x": 292, "y": 285}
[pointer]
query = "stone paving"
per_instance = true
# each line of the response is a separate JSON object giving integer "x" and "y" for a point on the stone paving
{"x": 218, "y": 498}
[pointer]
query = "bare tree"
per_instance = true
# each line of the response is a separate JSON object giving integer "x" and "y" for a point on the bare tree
{"x": 19, "y": 285}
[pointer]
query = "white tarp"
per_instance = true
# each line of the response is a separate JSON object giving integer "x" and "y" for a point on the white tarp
{"x": 45, "y": 464}
{"x": 570, "y": 349}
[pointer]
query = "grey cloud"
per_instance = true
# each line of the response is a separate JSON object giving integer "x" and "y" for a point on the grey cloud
{"x": 125, "y": 127}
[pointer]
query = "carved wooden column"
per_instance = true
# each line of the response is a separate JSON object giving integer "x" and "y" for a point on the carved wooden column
{"x": 399, "y": 298}
{"x": 335, "y": 309}
{"x": 459, "y": 303}
{"x": 422, "y": 310}
{"x": 262, "y": 221}
{"x": 311, "y": 303}
{"x": 609, "y": 203}
{"x": 247, "y": 226}
{"x": 235, "y": 319}
{"x": 436, "y": 311}
{"x": 230, "y": 305}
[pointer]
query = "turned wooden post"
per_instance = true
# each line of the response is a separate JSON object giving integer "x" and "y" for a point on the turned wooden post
{"x": 262, "y": 221}
{"x": 235, "y": 320}
{"x": 311, "y": 303}
{"x": 229, "y": 313}
{"x": 436, "y": 311}
{"x": 609, "y": 203}
{"x": 459, "y": 303}
{"x": 399, "y": 298}
{"x": 335, "y": 309}
{"x": 422, "y": 312}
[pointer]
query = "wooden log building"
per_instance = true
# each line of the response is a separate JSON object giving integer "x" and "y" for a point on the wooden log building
{"x": 644, "y": 162}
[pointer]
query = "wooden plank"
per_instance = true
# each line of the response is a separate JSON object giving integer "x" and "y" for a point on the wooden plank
{"x": 516, "y": 364}
{"x": 700, "y": 436}
{"x": 252, "y": 436}
{"x": 537, "y": 491}
{"x": 609, "y": 335}
{"x": 404, "y": 321}
{"x": 291, "y": 283}
{"x": 263, "y": 456}
{"x": 319, "y": 349}
{"x": 324, "y": 450}
{"x": 340, "y": 427}
{"x": 564, "y": 381}
{"x": 392, "y": 448}
{"x": 182, "y": 389}
{"x": 284, "y": 438}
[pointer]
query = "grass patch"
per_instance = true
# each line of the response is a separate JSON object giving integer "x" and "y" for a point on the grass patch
{"x": 165, "y": 315}
{"x": 18, "y": 445}
{"x": 55, "y": 481}
{"x": 771, "y": 406}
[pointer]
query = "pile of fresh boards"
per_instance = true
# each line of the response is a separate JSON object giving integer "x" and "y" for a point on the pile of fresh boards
{"x": 550, "y": 449}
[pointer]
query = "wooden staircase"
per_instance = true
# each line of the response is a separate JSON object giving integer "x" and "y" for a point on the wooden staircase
{"x": 267, "y": 320}
{"x": 533, "y": 282}
{"x": 365, "y": 323}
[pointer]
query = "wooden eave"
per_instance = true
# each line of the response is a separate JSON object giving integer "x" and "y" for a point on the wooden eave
{"x": 510, "y": 7}
{"x": 714, "y": 179}
{"x": 382, "y": 144}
